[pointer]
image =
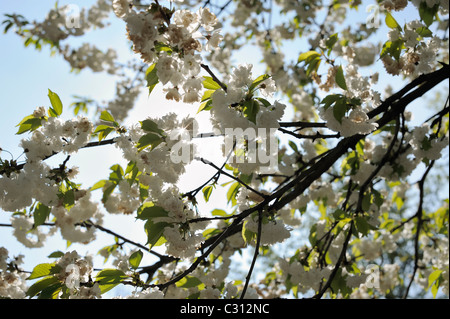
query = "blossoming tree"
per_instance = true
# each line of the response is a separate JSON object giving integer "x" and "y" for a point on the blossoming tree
{"x": 314, "y": 155}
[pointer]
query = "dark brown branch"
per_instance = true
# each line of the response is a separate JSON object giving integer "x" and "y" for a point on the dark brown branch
{"x": 301, "y": 124}
{"x": 88, "y": 145}
{"x": 309, "y": 136}
{"x": 214, "y": 77}
{"x": 419, "y": 216}
{"x": 383, "y": 161}
{"x": 255, "y": 255}
{"x": 338, "y": 264}
{"x": 237, "y": 179}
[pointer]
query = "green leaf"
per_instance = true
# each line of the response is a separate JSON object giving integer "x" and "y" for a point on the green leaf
{"x": 293, "y": 146}
{"x": 264, "y": 101}
{"x": 51, "y": 291}
{"x": 424, "y": 32}
{"x": 331, "y": 41}
{"x": 365, "y": 205}
{"x": 258, "y": 81}
{"x": 247, "y": 235}
{"x": 152, "y": 78}
{"x": 205, "y": 106}
{"x": 339, "y": 110}
{"x": 135, "y": 259}
{"x": 394, "y": 49}
{"x": 40, "y": 214}
{"x": 189, "y": 282}
{"x": 107, "y": 192}
{"x": 391, "y": 22}
{"x": 207, "y": 190}
{"x": 104, "y": 131}
{"x": 42, "y": 284}
{"x": 433, "y": 277}
{"x": 154, "y": 232}
{"x": 43, "y": 270}
{"x": 251, "y": 109}
{"x": 219, "y": 212}
{"x": 57, "y": 106}
{"x": 56, "y": 254}
{"x": 313, "y": 66}
{"x": 149, "y": 139}
{"x": 308, "y": 56}
{"x": 363, "y": 226}
{"x": 340, "y": 79}
{"x": 109, "y": 278}
{"x": 107, "y": 117}
{"x": 207, "y": 95}
{"x": 151, "y": 126}
{"x": 117, "y": 173}
{"x": 232, "y": 192}
{"x": 99, "y": 184}
{"x": 210, "y": 84}
{"x": 339, "y": 214}
{"x": 148, "y": 210}
{"x": 29, "y": 123}
{"x": 330, "y": 100}
{"x": 427, "y": 14}
{"x": 162, "y": 47}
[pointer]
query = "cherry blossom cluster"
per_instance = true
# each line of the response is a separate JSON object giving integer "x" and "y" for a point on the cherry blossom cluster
{"x": 173, "y": 41}
{"x": 12, "y": 282}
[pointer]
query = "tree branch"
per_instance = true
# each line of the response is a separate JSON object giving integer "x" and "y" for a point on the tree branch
{"x": 419, "y": 216}
{"x": 255, "y": 255}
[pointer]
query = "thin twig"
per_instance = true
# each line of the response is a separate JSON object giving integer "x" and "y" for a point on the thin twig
{"x": 255, "y": 255}
{"x": 237, "y": 179}
{"x": 214, "y": 77}
{"x": 419, "y": 216}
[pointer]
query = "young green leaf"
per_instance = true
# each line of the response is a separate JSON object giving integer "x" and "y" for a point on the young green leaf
{"x": 391, "y": 22}
{"x": 149, "y": 139}
{"x": 42, "y": 284}
{"x": 109, "y": 278}
{"x": 219, "y": 212}
{"x": 426, "y": 13}
{"x": 104, "y": 131}
{"x": 107, "y": 117}
{"x": 339, "y": 110}
{"x": 210, "y": 84}
{"x": 154, "y": 232}
{"x": 340, "y": 79}
{"x": 331, "y": 41}
{"x": 189, "y": 282}
{"x": 152, "y": 78}
{"x": 258, "y": 81}
{"x": 40, "y": 214}
{"x": 43, "y": 270}
{"x": 330, "y": 100}
{"x": 57, "y": 106}
{"x": 151, "y": 126}
{"x": 148, "y": 210}
{"x": 29, "y": 123}
{"x": 251, "y": 109}
{"x": 207, "y": 190}
{"x": 135, "y": 259}
{"x": 308, "y": 56}
{"x": 205, "y": 106}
